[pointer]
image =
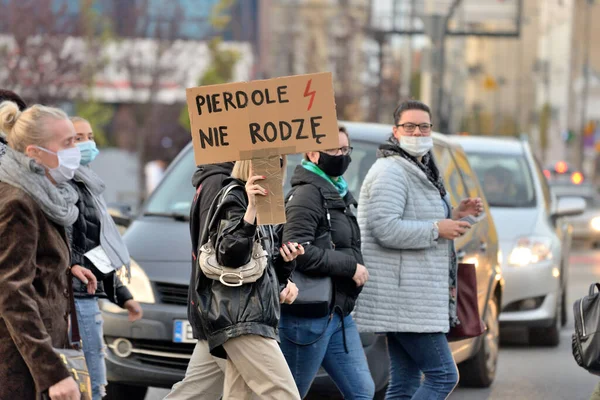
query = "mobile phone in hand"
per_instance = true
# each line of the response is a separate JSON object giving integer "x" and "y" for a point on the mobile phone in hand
{"x": 471, "y": 219}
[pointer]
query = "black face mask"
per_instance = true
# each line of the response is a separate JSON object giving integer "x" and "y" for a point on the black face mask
{"x": 333, "y": 166}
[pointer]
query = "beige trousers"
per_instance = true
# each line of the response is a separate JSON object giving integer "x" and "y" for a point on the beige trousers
{"x": 256, "y": 365}
{"x": 596, "y": 394}
{"x": 204, "y": 377}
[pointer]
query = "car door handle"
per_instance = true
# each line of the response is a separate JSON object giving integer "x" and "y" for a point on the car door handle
{"x": 483, "y": 247}
{"x": 461, "y": 254}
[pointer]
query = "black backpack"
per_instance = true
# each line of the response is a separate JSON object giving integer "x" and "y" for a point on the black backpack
{"x": 586, "y": 339}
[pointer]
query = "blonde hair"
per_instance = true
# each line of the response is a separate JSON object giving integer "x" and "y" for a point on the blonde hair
{"x": 79, "y": 119}
{"x": 28, "y": 127}
{"x": 241, "y": 169}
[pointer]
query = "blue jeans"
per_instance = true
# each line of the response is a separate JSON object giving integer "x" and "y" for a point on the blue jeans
{"x": 90, "y": 327}
{"x": 349, "y": 370}
{"x": 415, "y": 354}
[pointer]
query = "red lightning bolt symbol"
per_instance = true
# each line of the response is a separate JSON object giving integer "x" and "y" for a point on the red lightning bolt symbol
{"x": 308, "y": 92}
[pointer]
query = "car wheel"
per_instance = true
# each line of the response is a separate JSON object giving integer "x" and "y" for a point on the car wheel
{"x": 548, "y": 337}
{"x": 119, "y": 391}
{"x": 480, "y": 370}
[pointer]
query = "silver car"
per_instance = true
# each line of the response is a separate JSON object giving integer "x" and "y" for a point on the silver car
{"x": 534, "y": 237}
{"x": 586, "y": 227}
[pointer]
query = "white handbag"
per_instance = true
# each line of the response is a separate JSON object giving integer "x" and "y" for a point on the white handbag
{"x": 207, "y": 257}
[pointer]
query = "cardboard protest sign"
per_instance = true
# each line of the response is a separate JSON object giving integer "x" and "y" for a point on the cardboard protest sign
{"x": 260, "y": 120}
{"x": 270, "y": 208}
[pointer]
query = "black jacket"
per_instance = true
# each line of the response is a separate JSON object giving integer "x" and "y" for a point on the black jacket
{"x": 208, "y": 180}
{"x": 307, "y": 222}
{"x": 250, "y": 309}
{"x": 85, "y": 236}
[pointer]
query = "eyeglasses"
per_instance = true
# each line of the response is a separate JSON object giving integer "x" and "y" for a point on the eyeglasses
{"x": 345, "y": 151}
{"x": 409, "y": 127}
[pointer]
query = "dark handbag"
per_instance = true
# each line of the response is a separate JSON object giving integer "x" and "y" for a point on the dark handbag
{"x": 73, "y": 358}
{"x": 315, "y": 293}
{"x": 315, "y": 296}
{"x": 586, "y": 340}
{"x": 467, "y": 308}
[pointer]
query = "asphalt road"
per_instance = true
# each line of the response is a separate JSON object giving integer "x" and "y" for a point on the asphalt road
{"x": 534, "y": 373}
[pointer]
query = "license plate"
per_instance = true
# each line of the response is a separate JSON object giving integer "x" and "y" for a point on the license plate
{"x": 182, "y": 332}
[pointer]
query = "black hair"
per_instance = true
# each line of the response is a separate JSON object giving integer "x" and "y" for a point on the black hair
{"x": 9, "y": 95}
{"x": 341, "y": 129}
{"x": 410, "y": 105}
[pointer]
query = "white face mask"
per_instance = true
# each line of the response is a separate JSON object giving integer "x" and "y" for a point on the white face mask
{"x": 416, "y": 146}
{"x": 68, "y": 163}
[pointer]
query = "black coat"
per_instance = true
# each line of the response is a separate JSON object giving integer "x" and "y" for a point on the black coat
{"x": 250, "y": 309}
{"x": 307, "y": 220}
{"x": 208, "y": 180}
{"x": 85, "y": 236}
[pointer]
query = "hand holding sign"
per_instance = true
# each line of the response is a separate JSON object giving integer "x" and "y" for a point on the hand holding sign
{"x": 253, "y": 189}
{"x": 261, "y": 120}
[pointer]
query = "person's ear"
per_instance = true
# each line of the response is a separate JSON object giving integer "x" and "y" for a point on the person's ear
{"x": 313, "y": 156}
{"x": 32, "y": 151}
{"x": 396, "y": 132}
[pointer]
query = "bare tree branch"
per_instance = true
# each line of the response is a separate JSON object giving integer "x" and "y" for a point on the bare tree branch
{"x": 42, "y": 60}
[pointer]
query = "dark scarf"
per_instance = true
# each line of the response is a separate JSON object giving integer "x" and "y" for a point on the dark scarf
{"x": 2, "y": 145}
{"x": 392, "y": 148}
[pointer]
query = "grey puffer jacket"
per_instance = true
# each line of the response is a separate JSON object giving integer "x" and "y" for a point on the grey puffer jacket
{"x": 408, "y": 288}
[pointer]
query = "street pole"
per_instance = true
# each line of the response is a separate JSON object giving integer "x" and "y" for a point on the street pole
{"x": 380, "y": 38}
{"x": 406, "y": 82}
{"x": 438, "y": 62}
{"x": 586, "y": 82}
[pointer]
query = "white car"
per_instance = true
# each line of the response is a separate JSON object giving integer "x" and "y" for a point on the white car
{"x": 534, "y": 237}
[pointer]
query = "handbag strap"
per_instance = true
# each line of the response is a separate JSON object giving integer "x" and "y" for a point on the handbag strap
{"x": 213, "y": 212}
{"x": 75, "y": 334}
{"x": 593, "y": 286}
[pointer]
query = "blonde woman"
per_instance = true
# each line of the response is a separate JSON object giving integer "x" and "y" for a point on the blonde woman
{"x": 36, "y": 207}
{"x": 241, "y": 322}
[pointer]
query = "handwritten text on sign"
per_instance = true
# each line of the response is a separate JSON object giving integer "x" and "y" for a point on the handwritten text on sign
{"x": 255, "y": 119}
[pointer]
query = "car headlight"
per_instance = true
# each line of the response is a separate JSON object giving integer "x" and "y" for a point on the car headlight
{"x": 595, "y": 224}
{"x": 530, "y": 250}
{"x": 500, "y": 257}
{"x": 139, "y": 285}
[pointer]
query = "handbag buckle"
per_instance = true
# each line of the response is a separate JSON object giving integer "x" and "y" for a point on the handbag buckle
{"x": 238, "y": 276}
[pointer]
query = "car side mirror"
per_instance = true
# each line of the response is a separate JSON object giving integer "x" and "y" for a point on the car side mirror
{"x": 569, "y": 206}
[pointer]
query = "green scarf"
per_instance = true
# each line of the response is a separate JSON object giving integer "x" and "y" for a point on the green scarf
{"x": 339, "y": 183}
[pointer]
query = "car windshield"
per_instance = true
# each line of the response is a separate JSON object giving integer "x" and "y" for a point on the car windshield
{"x": 587, "y": 192}
{"x": 174, "y": 195}
{"x": 506, "y": 179}
{"x": 592, "y": 202}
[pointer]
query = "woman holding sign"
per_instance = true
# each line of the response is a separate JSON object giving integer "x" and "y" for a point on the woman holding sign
{"x": 319, "y": 213}
{"x": 241, "y": 320}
